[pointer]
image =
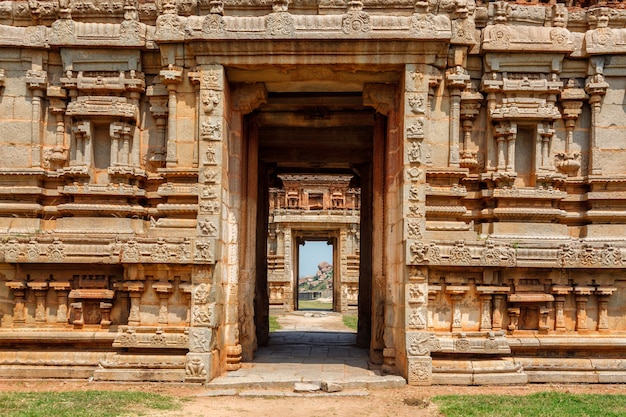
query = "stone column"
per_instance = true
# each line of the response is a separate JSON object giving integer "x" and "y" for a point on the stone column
{"x": 456, "y": 292}
{"x": 164, "y": 289}
{"x": 78, "y": 315}
{"x": 19, "y": 297}
{"x": 546, "y": 134}
{"x": 571, "y": 99}
{"x": 491, "y": 318}
{"x": 560, "y": 292}
{"x": 37, "y": 81}
{"x": 501, "y": 133}
{"x": 158, "y": 96}
{"x": 433, "y": 291}
{"x": 135, "y": 290}
{"x": 510, "y": 140}
{"x": 603, "y": 294}
{"x": 115, "y": 133}
{"x": 496, "y": 320}
{"x": 40, "y": 289}
{"x": 514, "y": 313}
{"x": 105, "y": 310}
{"x": 61, "y": 288}
{"x": 596, "y": 88}
{"x": 470, "y": 107}
{"x": 171, "y": 78}
{"x": 82, "y": 139}
{"x": 456, "y": 80}
{"x": 582, "y": 294}
{"x": 57, "y": 97}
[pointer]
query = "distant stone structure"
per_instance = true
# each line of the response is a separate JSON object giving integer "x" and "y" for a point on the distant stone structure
{"x": 140, "y": 141}
{"x": 313, "y": 207}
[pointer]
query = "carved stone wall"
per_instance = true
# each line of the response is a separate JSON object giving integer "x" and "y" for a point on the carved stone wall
{"x": 130, "y": 187}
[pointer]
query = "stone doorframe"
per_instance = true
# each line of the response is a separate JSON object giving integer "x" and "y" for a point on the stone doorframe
{"x": 376, "y": 329}
{"x": 331, "y": 237}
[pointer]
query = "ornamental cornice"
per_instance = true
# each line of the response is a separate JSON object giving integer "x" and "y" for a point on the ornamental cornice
{"x": 70, "y": 249}
{"x": 519, "y": 253}
{"x": 505, "y": 38}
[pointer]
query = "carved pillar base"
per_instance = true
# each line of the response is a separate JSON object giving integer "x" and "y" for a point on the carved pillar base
{"x": 201, "y": 367}
{"x": 389, "y": 361}
{"x": 233, "y": 357}
{"x": 420, "y": 370}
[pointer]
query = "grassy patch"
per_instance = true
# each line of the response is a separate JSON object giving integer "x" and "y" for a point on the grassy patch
{"x": 350, "y": 321}
{"x": 543, "y": 404}
{"x": 83, "y": 403}
{"x": 274, "y": 325}
{"x": 314, "y": 305}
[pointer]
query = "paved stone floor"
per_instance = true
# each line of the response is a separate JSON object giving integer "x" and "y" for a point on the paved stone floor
{"x": 303, "y": 351}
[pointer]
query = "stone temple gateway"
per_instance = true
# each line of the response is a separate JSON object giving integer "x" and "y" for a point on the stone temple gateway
{"x": 139, "y": 143}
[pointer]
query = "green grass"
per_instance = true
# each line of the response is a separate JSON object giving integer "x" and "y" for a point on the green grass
{"x": 314, "y": 305}
{"x": 83, "y": 403}
{"x": 350, "y": 321}
{"x": 543, "y": 404}
{"x": 274, "y": 324}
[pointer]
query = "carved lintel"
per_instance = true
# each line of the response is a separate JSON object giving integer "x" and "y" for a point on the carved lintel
{"x": 247, "y": 97}
{"x": 382, "y": 97}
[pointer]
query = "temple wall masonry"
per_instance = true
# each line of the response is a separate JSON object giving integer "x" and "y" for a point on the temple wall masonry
{"x": 161, "y": 161}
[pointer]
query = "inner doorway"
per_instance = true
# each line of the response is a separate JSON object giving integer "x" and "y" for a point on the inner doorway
{"x": 316, "y": 283}
{"x": 312, "y": 134}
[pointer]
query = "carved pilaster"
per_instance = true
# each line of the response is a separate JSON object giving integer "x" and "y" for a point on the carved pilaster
{"x": 37, "y": 81}
{"x": 572, "y": 99}
{"x": 171, "y": 77}
{"x": 79, "y": 320}
{"x": 81, "y": 144}
{"x": 40, "y": 289}
{"x": 163, "y": 289}
{"x": 560, "y": 292}
{"x": 61, "y": 289}
{"x": 582, "y": 296}
{"x": 488, "y": 296}
{"x": 19, "y": 297}
{"x": 456, "y": 81}
{"x": 496, "y": 323}
{"x": 456, "y": 292}
{"x": 158, "y": 97}
{"x": 514, "y": 313}
{"x": 596, "y": 88}
{"x": 603, "y": 294}
{"x": 470, "y": 107}
{"x": 135, "y": 290}
{"x": 204, "y": 321}
{"x": 58, "y": 97}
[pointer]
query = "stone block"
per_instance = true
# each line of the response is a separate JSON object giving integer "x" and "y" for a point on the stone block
{"x": 505, "y": 378}
{"x": 137, "y": 375}
{"x": 452, "y": 378}
{"x": 562, "y": 377}
{"x": 331, "y": 386}
{"x": 612, "y": 377}
{"x": 307, "y": 386}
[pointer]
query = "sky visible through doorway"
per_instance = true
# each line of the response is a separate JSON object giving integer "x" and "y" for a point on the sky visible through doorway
{"x": 311, "y": 254}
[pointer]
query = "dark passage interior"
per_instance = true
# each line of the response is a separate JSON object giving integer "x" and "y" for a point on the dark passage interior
{"x": 314, "y": 133}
